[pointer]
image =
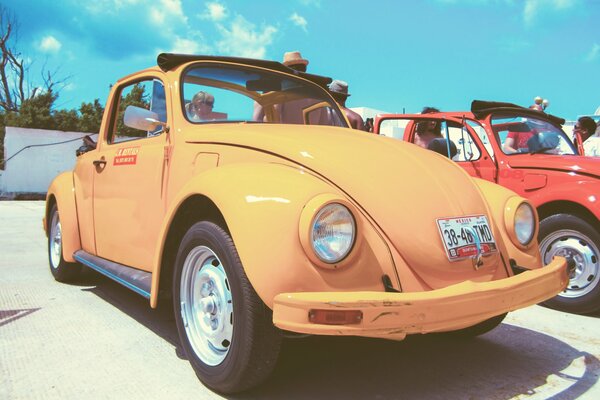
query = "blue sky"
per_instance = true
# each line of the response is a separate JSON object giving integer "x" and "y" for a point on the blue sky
{"x": 395, "y": 55}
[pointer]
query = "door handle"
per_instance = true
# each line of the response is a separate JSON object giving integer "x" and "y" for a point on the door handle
{"x": 100, "y": 163}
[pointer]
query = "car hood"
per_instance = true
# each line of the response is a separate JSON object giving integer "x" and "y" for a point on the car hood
{"x": 567, "y": 163}
{"x": 402, "y": 187}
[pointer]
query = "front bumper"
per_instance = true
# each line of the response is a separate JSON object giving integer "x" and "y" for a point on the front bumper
{"x": 394, "y": 315}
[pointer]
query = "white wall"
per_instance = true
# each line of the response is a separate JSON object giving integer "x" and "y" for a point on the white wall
{"x": 32, "y": 170}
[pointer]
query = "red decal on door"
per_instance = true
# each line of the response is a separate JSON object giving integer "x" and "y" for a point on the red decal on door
{"x": 126, "y": 156}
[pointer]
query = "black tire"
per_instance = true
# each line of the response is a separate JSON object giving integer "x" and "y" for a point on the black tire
{"x": 61, "y": 270}
{"x": 208, "y": 262}
{"x": 478, "y": 329}
{"x": 571, "y": 236}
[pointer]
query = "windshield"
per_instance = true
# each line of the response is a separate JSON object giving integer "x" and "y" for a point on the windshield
{"x": 525, "y": 134}
{"x": 218, "y": 93}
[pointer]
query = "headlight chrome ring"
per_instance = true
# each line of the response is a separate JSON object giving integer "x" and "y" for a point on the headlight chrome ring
{"x": 328, "y": 230}
{"x": 521, "y": 222}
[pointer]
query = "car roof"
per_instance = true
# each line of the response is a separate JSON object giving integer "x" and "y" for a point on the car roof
{"x": 482, "y": 108}
{"x": 169, "y": 61}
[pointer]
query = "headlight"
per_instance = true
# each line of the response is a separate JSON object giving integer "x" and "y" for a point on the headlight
{"x": 332, "y": 233}
{"x": 524, "y": 223}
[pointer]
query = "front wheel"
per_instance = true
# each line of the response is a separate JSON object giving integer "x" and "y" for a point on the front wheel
{"x": 62, "y": 270}
{"x": 225, "y": 329}
{"x": 569, "y": 236}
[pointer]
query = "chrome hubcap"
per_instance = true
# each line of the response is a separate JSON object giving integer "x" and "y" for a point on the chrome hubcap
{"x": 55, "y": 241}
{"x": 206, "y": 305}
{"x": 583, "y": 251}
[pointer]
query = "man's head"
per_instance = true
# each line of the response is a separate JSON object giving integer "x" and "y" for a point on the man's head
{"x": 294, "y": 60}
{"x": 339, "y": 90}
{"x": 429, "y": 110}
{"x": 585, "y": 126}
{"x": 202, "y": 103}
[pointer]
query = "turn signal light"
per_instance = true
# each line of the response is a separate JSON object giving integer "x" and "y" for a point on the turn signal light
{"x": 335, "y": 317}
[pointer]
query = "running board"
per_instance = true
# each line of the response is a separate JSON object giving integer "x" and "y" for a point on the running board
{"x": 134, "y": 279}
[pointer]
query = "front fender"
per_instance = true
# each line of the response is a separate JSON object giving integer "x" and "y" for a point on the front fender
{"x": 498, "y": 198}
{"x": 262, "y": 206}
{"x": 584, "y": 192}
{"x": 62, "y": 193}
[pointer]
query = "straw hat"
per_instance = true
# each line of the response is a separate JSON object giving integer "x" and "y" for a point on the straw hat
{"x": 293, "y": 58}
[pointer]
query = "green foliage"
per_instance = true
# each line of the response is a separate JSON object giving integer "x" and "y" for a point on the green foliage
{"x": 136, "y": 97}
{"x": 91, "y": 116}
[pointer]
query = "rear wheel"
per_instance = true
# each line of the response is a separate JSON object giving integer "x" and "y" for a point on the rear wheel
{"x": 61, "y": 270}
{"x": 569, "y": 236}
{"x": 225, "y": 329}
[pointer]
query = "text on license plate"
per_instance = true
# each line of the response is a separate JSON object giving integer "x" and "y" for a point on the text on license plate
{"x": 457, "y": 236}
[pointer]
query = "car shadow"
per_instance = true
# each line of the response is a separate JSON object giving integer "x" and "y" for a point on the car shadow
{"x": 159, "y": 321}
{"x": 505, "y": 363}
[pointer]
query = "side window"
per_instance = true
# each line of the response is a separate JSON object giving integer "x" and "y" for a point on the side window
{"x": 148, "y": 94}
{"x": 393, "y": 128}
{"x": 466, "y": 149}
{"x": 483, "y": 136}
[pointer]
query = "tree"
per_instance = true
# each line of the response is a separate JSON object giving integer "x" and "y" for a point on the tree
{"x": 15, "y": 85}
{"x": 90, "y": 116}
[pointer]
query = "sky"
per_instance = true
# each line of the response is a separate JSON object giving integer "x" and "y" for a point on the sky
{"x": 397, "y": 56}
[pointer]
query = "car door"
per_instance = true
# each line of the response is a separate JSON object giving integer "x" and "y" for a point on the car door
{"x": 130, "y": 172}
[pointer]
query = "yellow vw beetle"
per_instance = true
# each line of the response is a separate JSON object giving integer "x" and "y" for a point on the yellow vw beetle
{"x": 234, "y": 188}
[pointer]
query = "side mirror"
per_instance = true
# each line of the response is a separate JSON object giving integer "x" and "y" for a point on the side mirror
{"x": 142, "y": 119}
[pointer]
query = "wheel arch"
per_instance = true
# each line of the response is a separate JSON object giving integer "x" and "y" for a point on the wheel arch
{"x": 568, "y": 207}
{"x": 62, "y": 194}
{"x": 197, "y": 207}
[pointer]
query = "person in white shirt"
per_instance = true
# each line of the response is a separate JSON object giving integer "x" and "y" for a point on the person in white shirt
{"x": 586, "y": 128}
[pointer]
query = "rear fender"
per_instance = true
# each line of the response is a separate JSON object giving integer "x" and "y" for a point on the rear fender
{"x": 62, "y": 193}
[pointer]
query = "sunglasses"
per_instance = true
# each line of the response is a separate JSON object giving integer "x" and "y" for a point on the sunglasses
{"x": 208, "y": 103}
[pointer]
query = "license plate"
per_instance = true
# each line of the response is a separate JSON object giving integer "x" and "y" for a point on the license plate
{"x": 458, "y": 239}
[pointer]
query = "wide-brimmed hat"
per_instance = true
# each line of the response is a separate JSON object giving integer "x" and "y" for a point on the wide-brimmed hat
{"x": 293, "y": 58}
{"x": 339, "y": 87}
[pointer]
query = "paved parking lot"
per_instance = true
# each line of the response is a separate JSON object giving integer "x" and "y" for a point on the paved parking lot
{"x": 95, "y": 339}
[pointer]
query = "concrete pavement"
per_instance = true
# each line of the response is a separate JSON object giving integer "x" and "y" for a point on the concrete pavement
{"x": 95, "y": 339}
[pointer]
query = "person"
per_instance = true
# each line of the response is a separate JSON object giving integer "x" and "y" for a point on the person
{"x": 369, "y": 125}
{"x": 586, "y": 127}
{"x": 339, "y": 91}
{"x": 426, "y": 131}
{"x": 200, "y": 109}
{"x": 516, "y": 141}
{"x": 294, "y": 60}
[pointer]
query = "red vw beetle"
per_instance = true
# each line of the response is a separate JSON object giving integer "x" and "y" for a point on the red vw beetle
{"x": 526, "y": 151}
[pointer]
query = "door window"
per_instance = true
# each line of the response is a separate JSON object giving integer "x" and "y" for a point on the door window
{"x": 148, "y": 94}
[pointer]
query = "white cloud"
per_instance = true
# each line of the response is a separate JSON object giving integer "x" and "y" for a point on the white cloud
{"x": 187, "y": 46}
{"x": 50, "y": 44}
{"x": 534, "y": 7}
{"x": 214, "y": 12}
{"x": 167, "y": 9}
{"x": 108, "y": 6}
{"x": 299, "y": 20}
{"x": 594, "y": 53}
{"x": 244, "y": 40}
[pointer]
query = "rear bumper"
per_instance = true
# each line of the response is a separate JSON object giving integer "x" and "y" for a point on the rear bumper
{"x": 394, "y": 315}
